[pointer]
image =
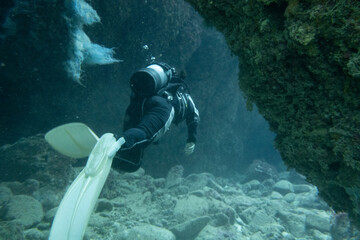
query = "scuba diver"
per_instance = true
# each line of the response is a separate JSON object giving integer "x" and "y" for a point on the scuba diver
{"x": 159, "y": 98}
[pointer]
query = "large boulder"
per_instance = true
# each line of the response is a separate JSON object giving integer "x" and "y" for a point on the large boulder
{"x": 294, "y": 223}
{"x": 190, "y": 207}
{"x": 284, "y": 187}
{"x": 33, "y": 157}
{"x": 150, "y": 232}
{"x": 302, "y": 72}
{"x": 189, "y": 229}
{"x": 261, "y": 170}
{"x": 25, "y": 210}
{"x": 318, "y": 220}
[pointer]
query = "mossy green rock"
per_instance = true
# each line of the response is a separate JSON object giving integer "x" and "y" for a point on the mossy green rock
{"x": 300, "y": 64}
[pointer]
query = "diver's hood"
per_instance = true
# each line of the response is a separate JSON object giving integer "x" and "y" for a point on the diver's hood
{"x": 149, "y": 80}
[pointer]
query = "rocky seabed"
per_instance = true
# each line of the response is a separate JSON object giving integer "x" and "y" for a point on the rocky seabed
{"x": 198, "y": 206}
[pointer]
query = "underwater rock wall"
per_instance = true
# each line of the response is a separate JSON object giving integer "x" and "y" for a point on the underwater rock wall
{"x": 300, "y": 65}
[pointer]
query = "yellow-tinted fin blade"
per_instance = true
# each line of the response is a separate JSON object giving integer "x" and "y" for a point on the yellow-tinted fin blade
{"x": 74, "y": 140}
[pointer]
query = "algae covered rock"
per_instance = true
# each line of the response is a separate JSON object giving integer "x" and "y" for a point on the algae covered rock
{"x": 32, "y": 157}
{"x": 299, "y": 63}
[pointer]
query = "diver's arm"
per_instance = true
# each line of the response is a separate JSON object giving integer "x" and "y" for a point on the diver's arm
{"x": 156, "y": 111}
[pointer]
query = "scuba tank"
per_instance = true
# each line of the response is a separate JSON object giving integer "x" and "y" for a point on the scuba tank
{"x": 150, "y": 80}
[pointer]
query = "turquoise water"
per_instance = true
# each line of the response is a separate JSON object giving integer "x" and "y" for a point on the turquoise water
{"x": 60, "y": 63}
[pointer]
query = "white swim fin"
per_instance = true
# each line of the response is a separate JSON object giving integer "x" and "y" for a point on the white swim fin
{"x": 78, "y": 203}
{"x": 74, "y": 140}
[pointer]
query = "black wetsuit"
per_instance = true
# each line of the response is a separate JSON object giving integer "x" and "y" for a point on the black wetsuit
{"x": 147, "y": 119}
